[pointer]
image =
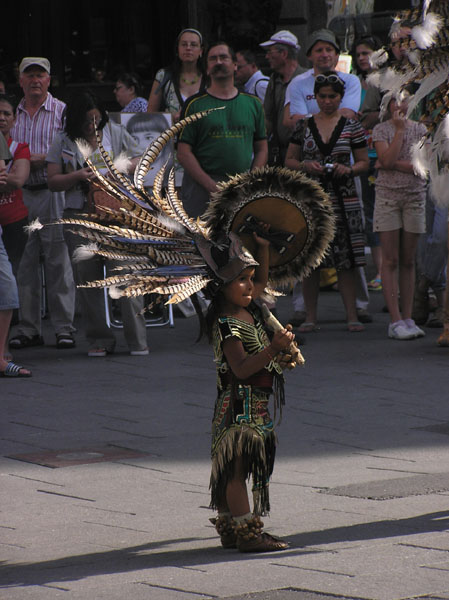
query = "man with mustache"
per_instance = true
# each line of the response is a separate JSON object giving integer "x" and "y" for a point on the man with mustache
{"x": 224, "y": 143}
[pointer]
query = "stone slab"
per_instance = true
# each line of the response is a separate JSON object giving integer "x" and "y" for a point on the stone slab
{"x": 395, "y": 488}
{"x": 78, "y": 456}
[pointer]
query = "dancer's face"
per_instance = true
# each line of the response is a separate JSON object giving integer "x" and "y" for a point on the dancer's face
{"x": 239, "y": 292}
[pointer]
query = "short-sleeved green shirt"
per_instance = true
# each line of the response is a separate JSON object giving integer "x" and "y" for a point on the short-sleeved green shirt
{"x": 223, "y": 142}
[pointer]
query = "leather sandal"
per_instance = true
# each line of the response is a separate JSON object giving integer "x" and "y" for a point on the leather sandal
{"x": 65, "y": 340}
{"x": 251, "y": 537}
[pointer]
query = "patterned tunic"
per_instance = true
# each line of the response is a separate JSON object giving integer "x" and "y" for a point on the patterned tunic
{"x": 242, "y": 425}
{"x": 348, "y": 246}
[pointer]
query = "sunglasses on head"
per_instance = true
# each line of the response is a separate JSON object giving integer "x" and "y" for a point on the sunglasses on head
{"x": 328, "y": 79}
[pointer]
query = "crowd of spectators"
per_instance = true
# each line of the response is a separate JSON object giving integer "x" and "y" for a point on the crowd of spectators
{"x": 321, "y": 120}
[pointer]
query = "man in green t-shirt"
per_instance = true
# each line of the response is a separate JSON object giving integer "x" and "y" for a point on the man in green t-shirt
{"x": 227, "y": 141}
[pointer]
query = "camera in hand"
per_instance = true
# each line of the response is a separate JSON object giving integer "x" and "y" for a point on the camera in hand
{"x": 328, "y": 168}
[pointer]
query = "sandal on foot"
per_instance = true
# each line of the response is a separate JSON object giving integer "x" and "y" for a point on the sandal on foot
{"x": 251, "y": 537}
{"x": 375, "y": 285}
{"x": 265, "y": 542}
{"x": 308, "y": 327}
{"x": 64, "y": 340}
{"x": 13, "y": 370}
{"x": 355, "y": 326}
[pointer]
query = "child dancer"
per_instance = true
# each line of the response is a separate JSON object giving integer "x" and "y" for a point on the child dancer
{"x": 399, "y": 215}
{"x": 243, "y": 438}
{"x": 173, "y": 255}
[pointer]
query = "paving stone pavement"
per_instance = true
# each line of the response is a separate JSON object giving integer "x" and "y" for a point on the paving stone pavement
{"x": 104, "y": 466}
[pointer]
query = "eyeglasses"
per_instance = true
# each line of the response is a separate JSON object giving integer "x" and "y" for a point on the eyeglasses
{"x": 240, "y": 67}
{"x": 272, "y": 51}
{"x": 328, "y": 79}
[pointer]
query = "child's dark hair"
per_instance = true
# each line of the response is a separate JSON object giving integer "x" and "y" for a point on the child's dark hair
{"x": 214, "y": 310}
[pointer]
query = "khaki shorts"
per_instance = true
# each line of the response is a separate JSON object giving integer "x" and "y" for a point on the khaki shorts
{"x": 407, "y": 212}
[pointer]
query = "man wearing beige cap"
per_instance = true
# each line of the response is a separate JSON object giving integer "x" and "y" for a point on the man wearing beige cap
{"x": 39, "y": 118}
{"x": 282, "y": 54}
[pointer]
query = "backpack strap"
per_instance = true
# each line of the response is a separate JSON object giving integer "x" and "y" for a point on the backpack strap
{"x": 258, "y": 81}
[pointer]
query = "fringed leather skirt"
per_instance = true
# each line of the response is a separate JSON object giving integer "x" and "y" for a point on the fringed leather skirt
{"x": 242, "y": 428}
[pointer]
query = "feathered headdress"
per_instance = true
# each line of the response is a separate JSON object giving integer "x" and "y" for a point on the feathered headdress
{"x": 166, "y": 252}
{"x": 426, "y": 65}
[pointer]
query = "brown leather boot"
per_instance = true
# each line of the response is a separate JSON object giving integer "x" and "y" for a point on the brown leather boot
{"x": 225, "y": 529}
{"x": 251, "y": 537}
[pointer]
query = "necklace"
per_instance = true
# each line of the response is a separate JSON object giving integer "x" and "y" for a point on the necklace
{"x": 190, "y": 81}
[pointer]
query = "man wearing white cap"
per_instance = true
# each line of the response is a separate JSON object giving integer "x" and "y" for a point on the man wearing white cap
{"x": 282, "y": 54}
{"x": 39, "y": 118}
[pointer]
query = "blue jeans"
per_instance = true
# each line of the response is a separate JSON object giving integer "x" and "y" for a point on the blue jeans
{"x": 432, "y": 246}
{"x": 9, "y": 297}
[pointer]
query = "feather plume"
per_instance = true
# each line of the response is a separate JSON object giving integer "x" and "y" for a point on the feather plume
{"x": 122, "y": 163}
{"x": 378, "y": 58}
{"x": 85, "y": 148}
{"x": 373, "y": 79}
{"x": 35, "y": 225}
{"x": 170, "y": 224}
{"x": 427, "y": 85}
{"x": 392, "y": 81}
{"x": 424, "y": 35}
{"x": 420, "y": 159}
{"x": 115, "y": 292}
{"x": 85, "y": 252}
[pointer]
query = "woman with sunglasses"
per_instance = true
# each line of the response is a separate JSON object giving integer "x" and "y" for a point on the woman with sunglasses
{"x": 184, "y": 78}
{"x": 127, "y": 90}
{"x": 321, "y": 146}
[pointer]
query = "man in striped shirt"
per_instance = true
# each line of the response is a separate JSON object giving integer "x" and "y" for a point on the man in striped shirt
{"x": 39, "y": 118}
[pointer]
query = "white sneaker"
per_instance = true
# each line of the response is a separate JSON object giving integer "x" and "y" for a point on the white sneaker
{"x": 400, "y": 331}
{"x": 413, "y": 328}
{"x": 143, "y": 352}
